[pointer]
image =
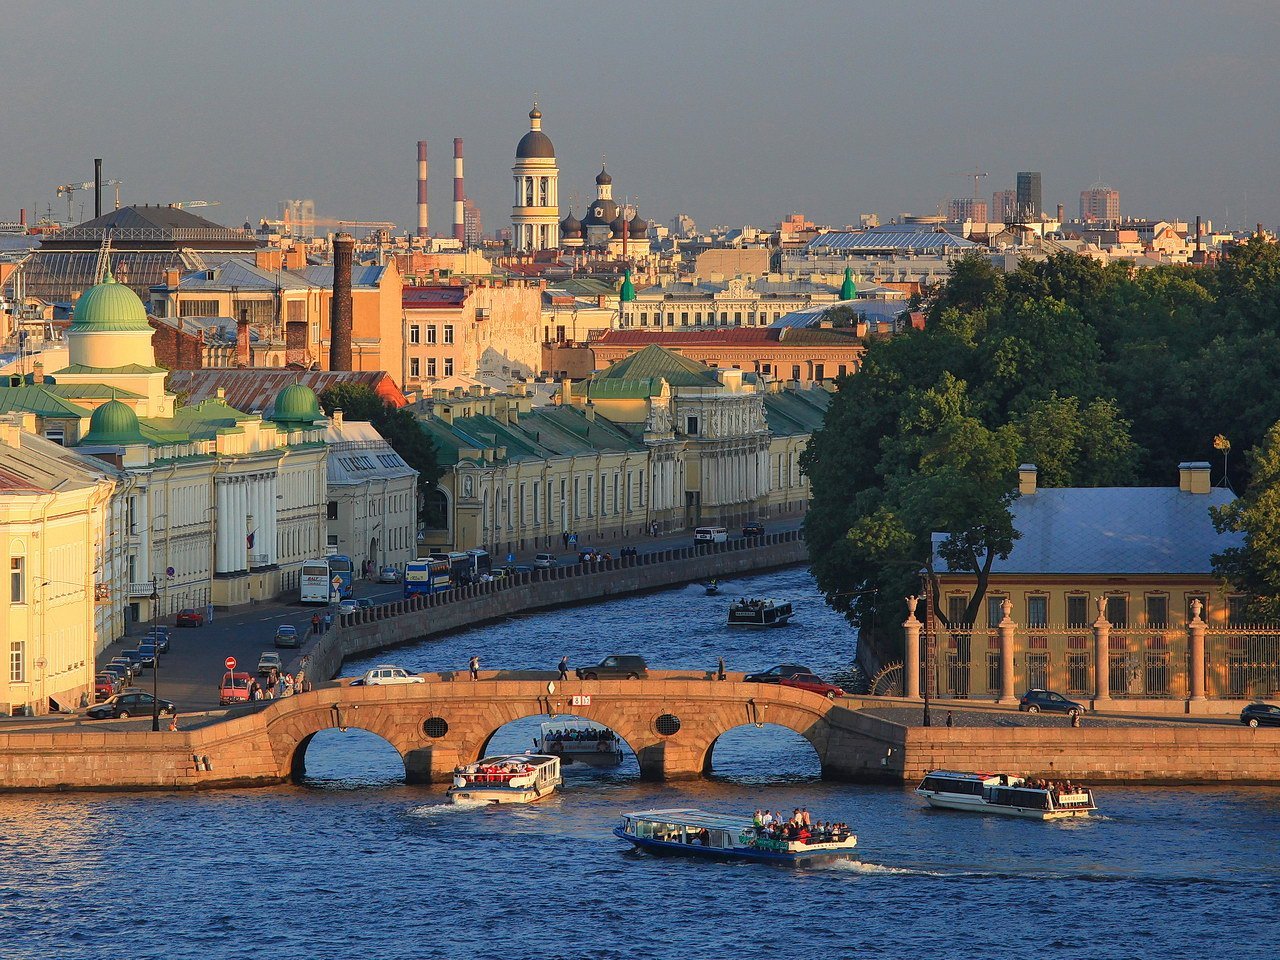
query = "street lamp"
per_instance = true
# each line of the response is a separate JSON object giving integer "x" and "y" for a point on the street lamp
{"x": 155, "y": 663}
{"x": 926, "y": 658}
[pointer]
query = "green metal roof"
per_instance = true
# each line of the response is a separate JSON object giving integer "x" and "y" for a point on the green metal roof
{"x": 848, "y": 289}
{"x": 639, "y": 374}
{"x": 109, "y": 307}
{"x": 628, "y": 292}
{"x": 297, "y": 404}
{"x": 791, "y": 412}
{"x": 40, "y": 400}
{"x": 128, "y": 368}
{"x": 113, "y": 424}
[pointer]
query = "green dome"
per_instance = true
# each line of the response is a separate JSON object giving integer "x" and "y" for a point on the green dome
{"x": 297, "y": 404}
{"x": 628, "y": 292}
{"x": 848, "y": 291}
{"x": 114, "y": 423}
{"x": 109, "y": 306}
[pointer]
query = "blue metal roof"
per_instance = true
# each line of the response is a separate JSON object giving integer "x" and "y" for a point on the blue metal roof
{"x": 888, "y": 240}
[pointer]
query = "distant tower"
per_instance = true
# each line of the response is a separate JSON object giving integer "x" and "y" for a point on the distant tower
{"x": 1029, "y": 198}
{"x": 535, "y": 217}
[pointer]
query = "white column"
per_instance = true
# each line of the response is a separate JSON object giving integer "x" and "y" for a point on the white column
{"x": 273, "y": 512}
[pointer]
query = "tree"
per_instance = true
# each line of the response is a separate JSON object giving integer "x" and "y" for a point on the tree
{"x": 1254, "y": 567}
{"x": 1075, "y": 447}
{"x": 398, "y": 426}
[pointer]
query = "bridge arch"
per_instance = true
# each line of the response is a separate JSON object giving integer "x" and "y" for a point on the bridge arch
{"x": 353, "y": 754}
{"x": 776, "y": 752}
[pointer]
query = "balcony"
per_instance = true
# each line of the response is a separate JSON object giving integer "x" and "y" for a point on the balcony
{"x": 143, "y": 589}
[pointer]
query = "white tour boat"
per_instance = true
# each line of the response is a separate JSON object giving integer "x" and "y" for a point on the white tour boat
{"x": 580, "y": 741}
{"x": 759, "y": 613}
{"x": 515, "y": 778}
{"x": 697, "y": 833}
{"x": 1005, "y": 795}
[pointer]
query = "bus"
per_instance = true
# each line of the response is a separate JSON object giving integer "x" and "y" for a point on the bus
{"x": 314, "y": 583}
{"x": 426, "y": 576}
{"x": 344, "y": 569}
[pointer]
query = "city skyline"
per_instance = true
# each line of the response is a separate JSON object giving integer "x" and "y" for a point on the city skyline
{"x": 731, "y": 121}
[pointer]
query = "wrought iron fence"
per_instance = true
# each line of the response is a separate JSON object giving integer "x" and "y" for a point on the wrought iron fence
{"x": 1243, "y": 662}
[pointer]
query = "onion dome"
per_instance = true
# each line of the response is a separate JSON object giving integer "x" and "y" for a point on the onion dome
{"x": 638, "y": 227}
{"x": 113, "y": 424}
{"x": 603, "y": 177}
{"x": 618, "y": 225}
{"x": 296, "y": 407}
{"x": 570, "y": 226}
{"x": 109, "y": 306}
{"x": 601, "y": 213}
{"x": 628, "y": 291}
{"x": 848, "y": 289}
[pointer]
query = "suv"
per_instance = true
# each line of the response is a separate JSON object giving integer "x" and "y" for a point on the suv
{"x": 776, "y": 674}
{"x": 615, "y": 667}
{"x": 753, "y": 528}
{"x": 1260, "y": 715}
{"x": 544, "y": 561}
{"x": 1037, "y": 700}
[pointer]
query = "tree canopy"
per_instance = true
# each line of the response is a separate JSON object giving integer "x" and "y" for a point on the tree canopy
{"x": 1100, "y": 375}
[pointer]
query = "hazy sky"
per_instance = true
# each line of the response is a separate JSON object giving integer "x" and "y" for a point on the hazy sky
{"x": 731, "y": 112}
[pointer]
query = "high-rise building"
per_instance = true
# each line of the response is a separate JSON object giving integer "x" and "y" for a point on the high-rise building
{"x": 472, "y": 228}
{"x": 1099, "y": 203}
{"x": 1003, "y": 203}
{"x": 1029, "y": 197}
{"x": 298, "y": 218}
{"x": 967, "y": 208}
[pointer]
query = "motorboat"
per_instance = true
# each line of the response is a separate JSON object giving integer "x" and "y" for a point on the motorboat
{"x": 511, "y": 778}
{"x": 580, "y": 741}
{"x": 1006, "y": 795}
{"x": 759, "y": 613}
{"x": 712, "y": 588}
{"x": 697, "y": 833}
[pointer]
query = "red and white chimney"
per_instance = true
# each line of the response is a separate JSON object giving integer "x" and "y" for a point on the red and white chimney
{"x": 423, "y": 220}
{"x": 459, "y": 215}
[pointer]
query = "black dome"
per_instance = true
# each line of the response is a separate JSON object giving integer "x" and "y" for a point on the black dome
{"x": 603, "y": 177}
{"x": 535, "y": 145}
{"x": 571, "y": 226}
{"x": 600, "y": 213}
{"x": 637, "y": 227}
{"x": 618, "y": 225}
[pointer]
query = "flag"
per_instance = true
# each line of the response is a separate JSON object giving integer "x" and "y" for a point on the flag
{"x": 249, "y": 539}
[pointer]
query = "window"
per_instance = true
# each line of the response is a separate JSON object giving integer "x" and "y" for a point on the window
{"x": 684, "y": 319}
{"x": 415, "y": 368}
{"x": 17, "y": 580}
{"x": 17, "y": 661}
{"x": 1157, "y": 612}
{"x": 995, "y": 611}
{"x": 415, "y": 334}
{"x": 431, "y": 333}
{"x": 842, "y": 370}
{"x": 644, "y": 318}
{"x": 332, "y": 540}
{"x": 737, "y": 317}
{"x": 448, "y": 333}
{"x": 956, "y": 609}
{"x": 691, "y": 426}
{"x": 448, "y": 366}
{"x": 1118, "y": 611}
{"x": 56, "y": 435}
{"x": 333, "y": 509}
{"x": 133, "y": 516}
{"x": 1236, "y": 612}
{"x": 1037, "y": 612}
{"x": 819, "y": 371}
{"x": 1077, "y": 612}
{"x": 795, "y": 371}
{"x": 766, "y": 368}
{"x": 431, "y": 366}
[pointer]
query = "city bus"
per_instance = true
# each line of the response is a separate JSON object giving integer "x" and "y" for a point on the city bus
{"x": 426, "y": 576}
{"x": 314, "y": 583}
{"x": 344, "y": 569}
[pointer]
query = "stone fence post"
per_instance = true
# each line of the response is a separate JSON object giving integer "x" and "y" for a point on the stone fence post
{"x": 1195, "y": 646}
{"x": 1006, "y": 628}
{"x": 1102, "y": 653}
{"x": 911, "y": 654}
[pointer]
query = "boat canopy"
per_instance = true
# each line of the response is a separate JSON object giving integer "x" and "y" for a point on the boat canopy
{"x": 688, "y": 817}
{"x": 558, "y": 726}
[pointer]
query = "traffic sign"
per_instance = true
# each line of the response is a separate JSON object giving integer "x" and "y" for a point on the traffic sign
{"x": 336, "y": 582}
{"x": 230, "y": 662}
{"x": 169, "y": 571}
{"x": 511, "y": 558}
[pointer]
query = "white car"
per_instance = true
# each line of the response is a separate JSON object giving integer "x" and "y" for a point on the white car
{"x": 389, "y": 575}
{"x": 545, "y": 561}
{"x": 269, "y": 661}
{"x": 386, "y": 673}
{"x": 347, "y": 606}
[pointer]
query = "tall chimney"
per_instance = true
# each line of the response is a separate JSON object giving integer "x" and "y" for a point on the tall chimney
{"x": 22, "y": 218}
{"x": 1197, "y": 239}
{"x": 1061, "y": 211}
{"x": 423, "y": 230}
{"x": 243, "y": 354}
{"x": 97, "y": 187}
{"x": 340, "y": 305}
{"x": 459, "y": 216}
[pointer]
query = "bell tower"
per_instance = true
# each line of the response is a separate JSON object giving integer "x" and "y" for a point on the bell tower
{"x": 535, "y": 216}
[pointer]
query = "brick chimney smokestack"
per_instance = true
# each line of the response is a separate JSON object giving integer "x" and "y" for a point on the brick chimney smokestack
{"x": 243, "y": 354}
{"x": 459, "y": 216}
{"x": 340, "y": 306}
{"x": 22, "y": 218}
{"x": 97, "y": 187}
{"x": 423, "y": 218}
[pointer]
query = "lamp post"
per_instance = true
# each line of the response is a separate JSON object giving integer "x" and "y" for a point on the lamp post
{"x": 927, "y": 656}
{"x": 155, "y": 663}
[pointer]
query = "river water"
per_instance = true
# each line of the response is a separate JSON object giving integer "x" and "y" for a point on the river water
{"x": 353, "y": 863}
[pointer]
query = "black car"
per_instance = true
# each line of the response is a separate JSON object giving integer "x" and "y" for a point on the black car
{"x": 159, "y": 636}
{"x": 147, "y": 650}
{"x": 615, "y": 667}
{"x": 1260, "y": 715}
{"x": 753, "y": 528}
{"x": 128, "y": 704}
{"x": 119, "y": 671}
{"x": 137, "y": 658}
{"x": 776, "y": 674}
{"x": 1046, "y": 701}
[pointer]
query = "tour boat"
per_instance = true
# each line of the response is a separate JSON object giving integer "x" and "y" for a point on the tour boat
{"x": 1005, "y": 795}
{"x": 759, "y": 613}
{"x": 580, "y": 741}
{"x": 516, "y": 778}
{"x": 696, "y": 833}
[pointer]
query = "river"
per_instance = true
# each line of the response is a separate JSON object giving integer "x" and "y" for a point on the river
{"x": 353, "y": 863}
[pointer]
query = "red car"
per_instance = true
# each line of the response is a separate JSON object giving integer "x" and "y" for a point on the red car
{"x": 813, "y": 683}
{"x": 104, "y": 686}
{"x": 189, "y": 618}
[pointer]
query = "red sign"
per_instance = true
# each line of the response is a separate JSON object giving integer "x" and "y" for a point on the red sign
{"x": 230, "y": 662}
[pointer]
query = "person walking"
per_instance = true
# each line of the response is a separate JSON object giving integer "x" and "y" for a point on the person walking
{"x": 565, "y": 537}
{"x": 720, "y": 674}
{"x": 315, "y": 623}
{"x": 950, "y": 721}
{"x": 474, "y": 667}
{"x": 564, "y": 668}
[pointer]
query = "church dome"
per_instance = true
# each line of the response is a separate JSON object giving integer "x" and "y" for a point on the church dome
{"x": 535, "y": 145}
{"x": 600, "y": 213}
{"x": 638, "y": 227}
{"x": 113, "y": 423}
{"x": 617, "y": 226}
{"x": 297, "y": 404}
{"x": 109, "y": 306}
{"x": 603, "y": 177}
{"x": 570, "y": 226}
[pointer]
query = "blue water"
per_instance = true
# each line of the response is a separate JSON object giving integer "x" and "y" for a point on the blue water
{"x": 353, "y": 863}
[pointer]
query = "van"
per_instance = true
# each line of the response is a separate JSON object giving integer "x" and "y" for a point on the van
{"x": 710, "y": 535}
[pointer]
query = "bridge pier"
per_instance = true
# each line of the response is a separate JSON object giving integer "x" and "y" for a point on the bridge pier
{"x": 430, "y": 765}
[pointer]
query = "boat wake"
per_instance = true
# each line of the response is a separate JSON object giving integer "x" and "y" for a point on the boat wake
{"x": 880, "y": 869}
{"x": 444, "y": 809}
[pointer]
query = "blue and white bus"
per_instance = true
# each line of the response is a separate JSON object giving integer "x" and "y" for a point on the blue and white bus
{"x": 314, "y": 584}
{"x": 426, "y": 576}
{"x": 344, "y": 569}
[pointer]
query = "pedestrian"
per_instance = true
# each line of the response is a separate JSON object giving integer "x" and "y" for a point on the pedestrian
{"x": 1075, "y": 719}
{"x": 564, "y": 668}
{"x": 950, "y": 721}
{"x": 315, "y": 623}
{"x": 173, "y": 723}
{"x": 565, "y": 537}
{"x": 475, "y": 668}
{"x": 720, "y": 674}
{"x": 328, "y": 621}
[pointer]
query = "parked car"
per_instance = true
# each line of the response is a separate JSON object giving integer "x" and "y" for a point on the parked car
{"x": 365, "y": 603}
{"x": 105, "y": 685}
{"x": 234, "y": 688}
{"x": 287, "y": 636}
{"x": 544, "y": 561}
{"x": 1037, "y": 701}
{"x": 753, "y": 528}
{"x": 128, "y": 704}
{"x": 148, "y": 653}
{"x": 775, "y": 674}
{"x": 135, "y": 658}
{"x": 189, "y": 617}
{"x": 813, "y": 683}
{"x": 710, "y": 535}
{"x": 159, "y": 636}
{"x": 1260, "y": 715}
{"x": 388, "y": 574}
{"x": 385, "y": 674}
{"x": 121, "y": 674}
{"x": 347, "y": 606}
{"x": 270, "y": 660}
{"x": 128, "y": 669}
{"x": 615, "y": 667}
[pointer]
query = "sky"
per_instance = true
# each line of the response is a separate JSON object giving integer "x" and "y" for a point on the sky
{"x": 733, "y": 113}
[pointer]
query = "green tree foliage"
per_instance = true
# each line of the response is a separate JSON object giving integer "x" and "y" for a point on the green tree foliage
{"x": 398, "y": 426}
{"x": 1255, "y": 566}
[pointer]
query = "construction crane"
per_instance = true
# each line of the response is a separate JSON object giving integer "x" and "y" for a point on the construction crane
{"x": 68, "y": 190}
{"x": 977, "y": 173}
{"x": 185, "y": 204}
